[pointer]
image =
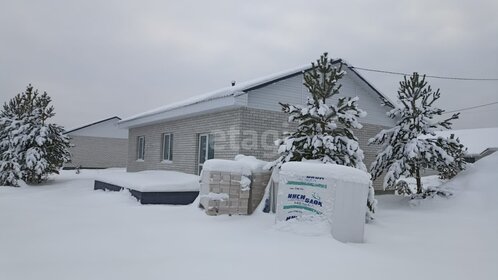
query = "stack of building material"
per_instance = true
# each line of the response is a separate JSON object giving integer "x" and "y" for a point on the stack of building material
{"x": 323, "y": 196}
{"x": 233, "y": 186}
{"x": 259, "y": 182}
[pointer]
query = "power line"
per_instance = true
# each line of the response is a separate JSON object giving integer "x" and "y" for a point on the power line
{"x": 470, "y": 108}
{"x": 429, "y": 76}
{"x": 439, "y": 77}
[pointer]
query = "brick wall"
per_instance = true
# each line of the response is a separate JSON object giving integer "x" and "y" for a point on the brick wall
{"x": 97, "y": 152}
{"x": 246, "y": 131}
{"x": 224, "y": 125}
{"x": 268, "y": 126}
{"x": 261, "y": 121}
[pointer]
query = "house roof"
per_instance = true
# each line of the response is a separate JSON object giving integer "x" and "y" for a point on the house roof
{"x": 92, "y": 124}
{"x": 240, "y": 89}
{"x": 476, "y": 140}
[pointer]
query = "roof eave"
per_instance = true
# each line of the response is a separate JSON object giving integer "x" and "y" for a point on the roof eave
{"x": 91, "y": 124}
{"x": 201, "y": 108}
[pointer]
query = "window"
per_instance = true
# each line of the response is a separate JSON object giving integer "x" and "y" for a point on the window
{"x": 167, "y": 147}
{"x": 140, "y": 147}
{"x": 206, "y": 149}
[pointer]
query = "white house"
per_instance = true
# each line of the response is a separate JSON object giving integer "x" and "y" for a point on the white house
{"x": 244, "y": 118}
{"x": 101, "y": 144}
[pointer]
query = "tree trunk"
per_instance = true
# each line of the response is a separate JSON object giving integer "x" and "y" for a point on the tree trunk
{"x": 419, "y": 181}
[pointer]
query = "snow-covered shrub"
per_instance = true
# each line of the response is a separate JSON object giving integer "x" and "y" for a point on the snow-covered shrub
{"x": 455, "y": 149}
{"x": 409, "y": 146}
{"x": 325, "y": 131}
{"x": 31, "y": 148}
{"x": 403, "y": 188}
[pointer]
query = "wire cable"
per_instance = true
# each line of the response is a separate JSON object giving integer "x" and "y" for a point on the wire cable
{"x": 438, "y": 77}
{"x": 470, "y": 108}
{"x": 429, "y": 76}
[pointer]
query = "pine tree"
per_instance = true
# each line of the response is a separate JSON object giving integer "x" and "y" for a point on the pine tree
{"x": 47, "y": 146}
{"x": 10, "y": 153}
{"x": 12, "y": 128}
{"x": 324, "y": 130}
{"x": 318, "y": 135}
{"x": 33, "y": 148}
{"x": 410, "y": 146}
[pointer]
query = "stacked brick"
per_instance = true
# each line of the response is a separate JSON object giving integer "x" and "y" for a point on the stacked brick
{"x": 258, "y": 186}
{"x": 232, "y": 193}
{"x": 233, "y": 198}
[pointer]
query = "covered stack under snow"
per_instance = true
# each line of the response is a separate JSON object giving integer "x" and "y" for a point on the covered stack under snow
{"x": 316, "y": 194}
{"x": 233, "y": 186}
{"x": 259, "y": 179}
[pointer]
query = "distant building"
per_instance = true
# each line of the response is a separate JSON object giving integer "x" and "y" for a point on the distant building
{"x": 480, "y": 142}
{"x": 98, "y": 145}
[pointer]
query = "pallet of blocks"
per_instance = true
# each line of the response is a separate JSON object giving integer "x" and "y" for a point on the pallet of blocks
{"x": 232, "y": 187}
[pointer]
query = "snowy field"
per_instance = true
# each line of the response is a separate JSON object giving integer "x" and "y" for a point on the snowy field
{"x": 65, "y": 230}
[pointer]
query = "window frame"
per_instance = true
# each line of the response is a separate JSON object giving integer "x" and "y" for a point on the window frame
{"x": 141, "y": 148}
{"x": 209, "y": 150}
{"x": 169, "y": 148}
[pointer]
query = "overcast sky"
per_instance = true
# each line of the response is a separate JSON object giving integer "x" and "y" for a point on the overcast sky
{"x": 103, "y": 58}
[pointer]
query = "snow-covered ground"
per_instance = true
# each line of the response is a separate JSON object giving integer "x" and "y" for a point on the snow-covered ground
{"x": 65, "y": 230}
{"x": 431, "y": 182}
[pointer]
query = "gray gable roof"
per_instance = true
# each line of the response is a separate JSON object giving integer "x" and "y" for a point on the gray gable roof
{"x": 236, "y": 90}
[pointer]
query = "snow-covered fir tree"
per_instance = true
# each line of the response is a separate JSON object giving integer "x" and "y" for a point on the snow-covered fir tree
{"x": 10, "y": 152}
{"x": 31, "y": 147}
{"x": 325, "y": 130}
{"x": 12, "y": 128}
{"x": 410, "y": 146}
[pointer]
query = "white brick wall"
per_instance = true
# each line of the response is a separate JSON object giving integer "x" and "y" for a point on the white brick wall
{"x": 263, "y": 120}
{"x": 185, "y": 141}
{"x": 245, "y": 130}
{"x": 97, "y": 152}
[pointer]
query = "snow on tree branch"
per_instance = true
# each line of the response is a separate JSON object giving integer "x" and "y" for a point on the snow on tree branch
{"x": 409, "y": 146}
{"x": 324, "y": 130}
{"x": 31, "y": 148}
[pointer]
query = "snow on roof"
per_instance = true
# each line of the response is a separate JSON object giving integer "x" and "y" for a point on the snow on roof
{"x": 476, "y": 140}
{"x": 243, "y": 87}
{"x": 223, "y": 92}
